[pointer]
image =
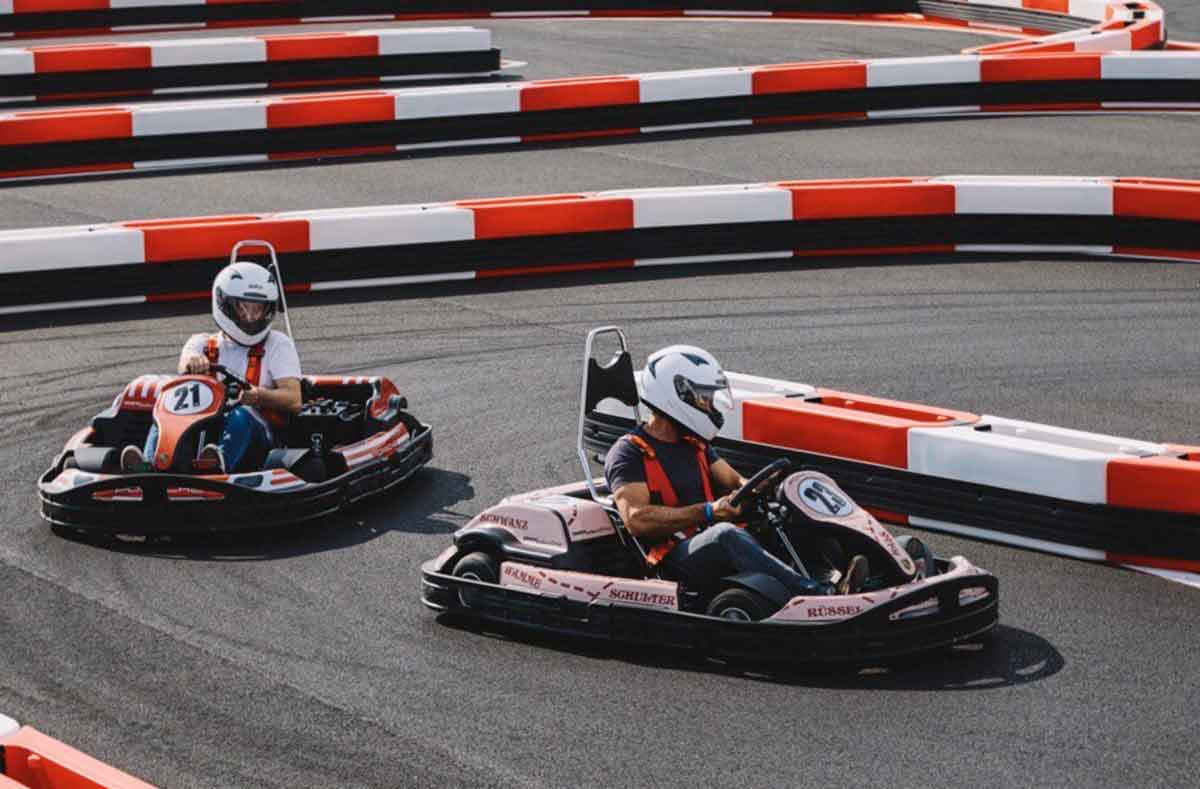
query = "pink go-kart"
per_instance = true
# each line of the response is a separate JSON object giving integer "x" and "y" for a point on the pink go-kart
{"x": 560, "y": 560}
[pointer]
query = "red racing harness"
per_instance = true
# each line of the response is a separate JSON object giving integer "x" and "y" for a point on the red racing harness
{"x": 660, "y": 486}
{"x": 212, "y": 350}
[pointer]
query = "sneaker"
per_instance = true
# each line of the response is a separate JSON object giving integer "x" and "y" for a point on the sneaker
{"x": 210, "y": 460}
{"x": 856, "y": 575}
{"x": 133, "y": 461}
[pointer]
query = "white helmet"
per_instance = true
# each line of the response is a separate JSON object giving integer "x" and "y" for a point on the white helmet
{"x": 244, "y": 299}
{"x": 682, "y": 382}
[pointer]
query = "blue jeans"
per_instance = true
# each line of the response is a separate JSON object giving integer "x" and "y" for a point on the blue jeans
{"x": 243, "y": 429}
{"x": 724, "y": 549}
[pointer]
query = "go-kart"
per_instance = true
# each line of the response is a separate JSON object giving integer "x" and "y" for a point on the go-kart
{"x": 351, "y": 439}
{"x": 561, "y": 560}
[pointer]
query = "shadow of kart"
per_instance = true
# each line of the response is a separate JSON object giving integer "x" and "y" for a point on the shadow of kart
{"x": 423, "y": 507}
{"x": 1005, "y": 657}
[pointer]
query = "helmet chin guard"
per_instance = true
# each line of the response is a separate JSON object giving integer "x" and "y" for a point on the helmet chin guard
{"x": 683, "y": 383}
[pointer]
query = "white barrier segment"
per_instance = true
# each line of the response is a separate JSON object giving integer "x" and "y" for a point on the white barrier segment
{"x": 71, "y": 305}
{"x": 1064, "y": 249}
{"x": 6, "y": 6}
{"x": 202, "y": 161}
{"x": 193, "y": 117}
{"x": 18, "y": 99}
{"x": 348, "y": 228}
{"x": 1023, "y": 456}
{"x": 456, "y": 100}
{"x": 79, "y": 246}
{"x": 1061, "y": 549}
{"x": 1179, "y": 108}
{"x": 695, "y": 84}
{"x": 145, "y": 3}
{"x": 937, "y": 70}
{"x": 686, "y": 259}
{"x": 7, "y": 725}
{"x": 1178, "y": 576}
{"x": 1089, "y": 9}
{"x": 670, "y": 127}
{"x": 1031, "y": 195}
{"x": 704, "y": 205}
{"x": 924, "y": 112}
{"x": 423, "y": 146}
{"x": 16, "y": 61}
{"x": 376, "y": 282}
{"x": 1150, "y": 65}
{"x": 518, "y": 14}
{"x": 1108, "y": 41}
{"x": 213, "y": 88}
{"x": 996, "y": 3}
{"x": 431, "y": 39}
{"x": 206, "y": 51}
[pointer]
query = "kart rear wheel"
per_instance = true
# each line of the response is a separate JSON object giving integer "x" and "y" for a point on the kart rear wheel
{"x": 740, "y": 605}
{"x": 477, "y": 566}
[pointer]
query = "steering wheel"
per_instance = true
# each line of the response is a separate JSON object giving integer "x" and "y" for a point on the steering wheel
{"x": 761, "y": 485}
{"x": 234, "y": 386}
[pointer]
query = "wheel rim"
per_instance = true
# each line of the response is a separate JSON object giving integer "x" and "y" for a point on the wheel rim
{"x": 736, "y": 614}
{"x": 467, "y": 597}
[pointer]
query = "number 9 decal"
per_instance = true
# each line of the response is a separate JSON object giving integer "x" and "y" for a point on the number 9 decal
{"x": 191, "y": 397}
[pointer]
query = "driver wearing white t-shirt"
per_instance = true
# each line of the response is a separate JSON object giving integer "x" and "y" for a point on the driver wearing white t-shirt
{"x": 245, "y": 297}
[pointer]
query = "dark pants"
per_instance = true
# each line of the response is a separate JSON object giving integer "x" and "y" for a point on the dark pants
{"x": 725, "y": 549}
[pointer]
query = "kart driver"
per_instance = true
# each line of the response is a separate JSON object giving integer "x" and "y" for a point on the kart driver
{"x": 245, "y": 297}
{"x": 665, "y": 478}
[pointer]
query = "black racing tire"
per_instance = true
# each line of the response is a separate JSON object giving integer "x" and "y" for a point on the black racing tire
{"x": 740, "y": 605}
{"x": 476, "y": 566}
{"x": 920, "y": 553}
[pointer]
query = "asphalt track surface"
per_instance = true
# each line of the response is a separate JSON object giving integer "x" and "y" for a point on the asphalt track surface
{"x": 303, "y": 658}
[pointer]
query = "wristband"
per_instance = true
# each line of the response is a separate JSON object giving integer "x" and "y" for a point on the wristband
{"x": 708, "y": 513}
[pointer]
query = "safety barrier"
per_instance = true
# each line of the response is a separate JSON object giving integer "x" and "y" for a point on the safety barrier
{"x": 112, "y": 138}
{"x": 31, "y": 760}
{"x": 45, "y": 73}
{"x": 407, "y": 245}
{"x": 1079, "y": 494}
{"x": 1101, "y": 20}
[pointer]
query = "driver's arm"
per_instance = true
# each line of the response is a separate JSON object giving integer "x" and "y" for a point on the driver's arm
{"x": 725, "y": 478}
{"x": 654, "y": 522}
{"x": 285, "y": 396}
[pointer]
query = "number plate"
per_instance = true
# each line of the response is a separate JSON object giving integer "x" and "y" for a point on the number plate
{"x": 190, "y": 397}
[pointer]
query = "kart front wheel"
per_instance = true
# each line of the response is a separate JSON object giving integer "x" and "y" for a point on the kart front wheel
{"x": 477, "y": 566}
{"x": 740, "y": 605}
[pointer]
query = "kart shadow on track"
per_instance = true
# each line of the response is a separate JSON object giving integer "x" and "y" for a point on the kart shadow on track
{"x": 423, "y": 507}
{"x": 1007, "y": 657}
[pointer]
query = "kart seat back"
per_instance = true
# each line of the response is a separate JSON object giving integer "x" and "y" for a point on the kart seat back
{"x": 128, "y": 419}
{"x": 615, "y": 379}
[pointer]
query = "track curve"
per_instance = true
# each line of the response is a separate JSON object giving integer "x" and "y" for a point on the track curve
{"x": 305, "y": 658}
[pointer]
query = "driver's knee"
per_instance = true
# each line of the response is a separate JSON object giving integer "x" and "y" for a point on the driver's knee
{"x": 730, "y": 536}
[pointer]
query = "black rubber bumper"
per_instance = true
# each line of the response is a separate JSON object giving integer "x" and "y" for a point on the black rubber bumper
{"x": 869, "y": 636}
{"x": 241, "y": 508}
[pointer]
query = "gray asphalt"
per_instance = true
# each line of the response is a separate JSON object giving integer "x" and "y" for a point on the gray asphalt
{"x": 305, "y": 659}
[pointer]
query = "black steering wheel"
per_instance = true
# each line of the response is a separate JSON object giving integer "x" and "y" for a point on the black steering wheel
{"x": 761, "y": 485}
{"x": 234, "y": 386}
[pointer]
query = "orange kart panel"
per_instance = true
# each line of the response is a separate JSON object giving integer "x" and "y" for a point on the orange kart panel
{"x": 182, "y": 404}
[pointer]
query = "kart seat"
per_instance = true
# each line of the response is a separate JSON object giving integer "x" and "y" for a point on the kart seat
{"x": 119, "y": 428}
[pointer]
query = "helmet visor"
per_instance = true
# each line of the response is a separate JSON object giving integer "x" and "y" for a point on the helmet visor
{"x": 709, "y": 399}
{"x": 252, "y": 316}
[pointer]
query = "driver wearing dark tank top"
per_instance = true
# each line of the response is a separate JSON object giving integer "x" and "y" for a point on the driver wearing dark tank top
{"x": 673, "y": 491}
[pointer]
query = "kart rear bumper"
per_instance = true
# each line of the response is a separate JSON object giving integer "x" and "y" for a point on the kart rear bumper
{"x": 180, "y": 504}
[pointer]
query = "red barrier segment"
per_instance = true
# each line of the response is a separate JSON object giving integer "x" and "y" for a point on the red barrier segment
{"x": 1159, "y": 198}
{"x": 869, "y": 197}
{"x": 324, "y": 109}
{"x": 88, "y": 123}
{"x": 870, "y": 429}
{"x": 549, "y": 215}
{"x": 198, "y": 238}
{"x": 802, "y": 77}
{"x": 1040, "y": 67}
{"x": 320, "y": 45}
{"x": 91, "y": 57}
{"x": 558, "y": 94}
{"x": 36, "y": 761}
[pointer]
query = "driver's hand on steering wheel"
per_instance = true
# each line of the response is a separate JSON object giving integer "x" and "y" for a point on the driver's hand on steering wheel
{"x": 723, "y": 511}
{"x": 250, "y": 396}
{"x": 196, "y": 364}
